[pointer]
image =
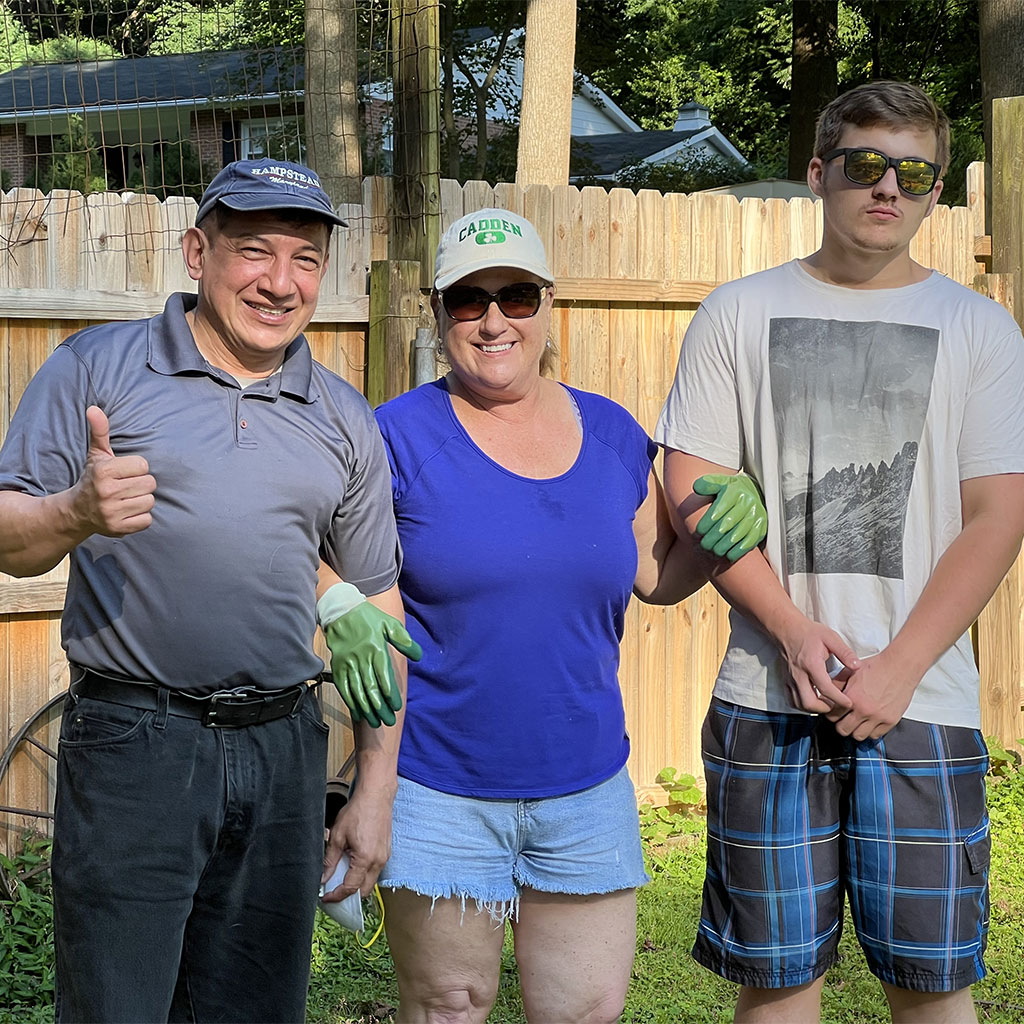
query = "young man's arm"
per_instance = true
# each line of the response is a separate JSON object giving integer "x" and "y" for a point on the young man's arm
{"x": 753, "y": 589}
{"x": 670, "y": 566}
{"x": 961, "y": 585}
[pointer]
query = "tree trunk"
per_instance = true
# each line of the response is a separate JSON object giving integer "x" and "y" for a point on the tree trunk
{"x": 332, "y": 105}
{"x": 417, "y": 178}
{"x": 545, "y": 120}
{"x": 815, "y": 78}
{"x": 1001, "y": 33}
{"x": 452, "y": 148}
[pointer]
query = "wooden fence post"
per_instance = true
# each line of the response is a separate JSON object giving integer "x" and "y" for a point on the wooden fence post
{"x": 999, "y": 633}
{"x": 1008, "y": 192}
{"x": 417, "y": 133}
{"x": 394, "y": 317}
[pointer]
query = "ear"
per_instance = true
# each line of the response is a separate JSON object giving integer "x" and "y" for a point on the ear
{"x": 194, "y": 247}
{"x": 815, "y": 173}
{"x": 934, "y": 197}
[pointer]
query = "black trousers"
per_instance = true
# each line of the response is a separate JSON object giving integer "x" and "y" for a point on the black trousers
{"x": 186, "y": 865}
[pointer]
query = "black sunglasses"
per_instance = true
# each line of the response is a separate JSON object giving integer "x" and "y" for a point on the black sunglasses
{"x": 914, "y": 176}
{"x": 465, "y": 302}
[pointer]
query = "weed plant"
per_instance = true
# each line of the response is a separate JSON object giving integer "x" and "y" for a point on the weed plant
{"x": 26, "y": 935}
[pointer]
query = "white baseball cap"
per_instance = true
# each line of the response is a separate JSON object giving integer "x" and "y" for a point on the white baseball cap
{"x": 489, "y": 238}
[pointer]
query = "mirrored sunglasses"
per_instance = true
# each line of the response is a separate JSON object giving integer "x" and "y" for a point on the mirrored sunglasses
{"x": 518, "y": 301}
{"x": 914, "y": 176}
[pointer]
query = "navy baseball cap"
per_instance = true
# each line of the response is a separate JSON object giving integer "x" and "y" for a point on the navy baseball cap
{"x": 268, "y": 185}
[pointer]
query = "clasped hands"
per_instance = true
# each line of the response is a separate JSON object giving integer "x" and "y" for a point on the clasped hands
{"x": 358, "y": 634}
{"x": 864, "y": 699}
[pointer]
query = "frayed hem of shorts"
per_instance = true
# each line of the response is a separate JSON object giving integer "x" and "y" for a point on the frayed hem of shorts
{"x": 754, "y": 977}
{"x": 499, "y": 910}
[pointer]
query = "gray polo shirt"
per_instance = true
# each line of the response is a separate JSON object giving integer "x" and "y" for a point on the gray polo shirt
{"x": 253, "y": 486}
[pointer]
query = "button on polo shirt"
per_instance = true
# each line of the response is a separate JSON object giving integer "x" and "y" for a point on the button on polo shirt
{"x": 220, "y": 590}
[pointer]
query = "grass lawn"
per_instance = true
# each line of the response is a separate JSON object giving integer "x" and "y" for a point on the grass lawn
{"x": 352, "y": 985}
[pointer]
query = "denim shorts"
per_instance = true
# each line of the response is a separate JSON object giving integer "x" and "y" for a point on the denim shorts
{"x": 798, "y": 814}
{"x": 457, "y": 847}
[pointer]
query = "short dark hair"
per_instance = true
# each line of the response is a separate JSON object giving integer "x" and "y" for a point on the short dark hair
{"x": 215, "y": 220}
{"x": 892, "y": 104}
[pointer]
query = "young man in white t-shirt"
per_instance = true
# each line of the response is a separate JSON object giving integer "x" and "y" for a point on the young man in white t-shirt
{"x": 879, "y": 406}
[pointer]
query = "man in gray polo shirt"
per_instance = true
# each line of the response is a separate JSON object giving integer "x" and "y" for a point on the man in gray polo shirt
{"x": 197, "y": 466}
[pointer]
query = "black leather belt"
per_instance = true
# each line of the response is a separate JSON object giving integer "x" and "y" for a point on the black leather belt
{"x": 222, "y": 710}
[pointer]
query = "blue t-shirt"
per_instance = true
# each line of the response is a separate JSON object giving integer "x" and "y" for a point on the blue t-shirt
{"x": 517, "y": 590}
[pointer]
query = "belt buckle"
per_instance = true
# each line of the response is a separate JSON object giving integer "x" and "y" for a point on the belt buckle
{"x": 297, "y": 703}
{"x": 230, "y": 698}
{"x": 244, "y": 697}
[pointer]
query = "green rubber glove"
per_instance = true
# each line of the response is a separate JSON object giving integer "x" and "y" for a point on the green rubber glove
{"x": 358, "y": 634}
{"x": 737, "y": 521}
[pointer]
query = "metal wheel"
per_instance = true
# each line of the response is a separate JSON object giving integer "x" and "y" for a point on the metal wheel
{"x": 26, "y": 735}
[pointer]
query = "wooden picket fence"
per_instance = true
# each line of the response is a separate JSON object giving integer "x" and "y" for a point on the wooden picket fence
{"x": 630, "y": 269}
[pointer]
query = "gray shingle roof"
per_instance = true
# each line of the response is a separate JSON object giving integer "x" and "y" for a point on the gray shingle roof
{"x": 606, "y": 154}
{"x": 178, "y": 78}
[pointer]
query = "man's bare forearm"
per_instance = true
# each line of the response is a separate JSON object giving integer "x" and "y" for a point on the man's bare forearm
{"x": 36, "y": 532}
{"x": 752, "y": 588}
{"x": 749, "y": 585}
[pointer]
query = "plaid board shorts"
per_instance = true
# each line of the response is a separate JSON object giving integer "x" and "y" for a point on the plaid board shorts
{"x": 798, "y": 815}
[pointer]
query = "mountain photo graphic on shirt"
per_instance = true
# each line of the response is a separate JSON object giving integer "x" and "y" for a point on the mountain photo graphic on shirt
{"x": 850, "y": 400}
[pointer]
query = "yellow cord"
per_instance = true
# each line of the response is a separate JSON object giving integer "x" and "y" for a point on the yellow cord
{"x": 380, "y": 926}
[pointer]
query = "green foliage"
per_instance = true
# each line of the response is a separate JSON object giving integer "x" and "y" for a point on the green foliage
{"x": 690, "y": 173}
{"x": 734, "y": 57}
{"x": 177, "y": 26}
{"x": 730, "y": 55}
{"x": 15, "y": 42}
{"x": 102, "y": 29}
{"x": 348, "y": 982}
{"x": 71, "y": 48}
{"x": 1001, "y": 762}
{"x": 265, "y": 23}
{"x": 658, "y": 825}
{"x": 174, "y": 171}
{"x": 76, "y": 162}
{"x": 681, "y": 787}
{"x": 26, "y": 933}
{"x": 481, "y": 43}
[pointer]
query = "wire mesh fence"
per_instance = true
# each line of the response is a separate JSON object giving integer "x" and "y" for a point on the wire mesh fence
{"x": 156, "y": 96}
{"x": 153, "y": 97}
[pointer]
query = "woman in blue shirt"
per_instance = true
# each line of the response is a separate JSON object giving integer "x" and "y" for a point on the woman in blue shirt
{"x": 528, "y": 513}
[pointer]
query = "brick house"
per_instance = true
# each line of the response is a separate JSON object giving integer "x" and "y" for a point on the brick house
{"x": 149, "y": 117}
{"x": 140, "y": 111}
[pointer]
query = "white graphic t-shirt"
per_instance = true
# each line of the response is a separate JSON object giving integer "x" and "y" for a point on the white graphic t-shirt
{"x": 858, "y": 412}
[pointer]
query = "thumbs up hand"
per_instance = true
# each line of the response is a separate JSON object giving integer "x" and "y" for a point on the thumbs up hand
{"x": 114, "y": 496}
